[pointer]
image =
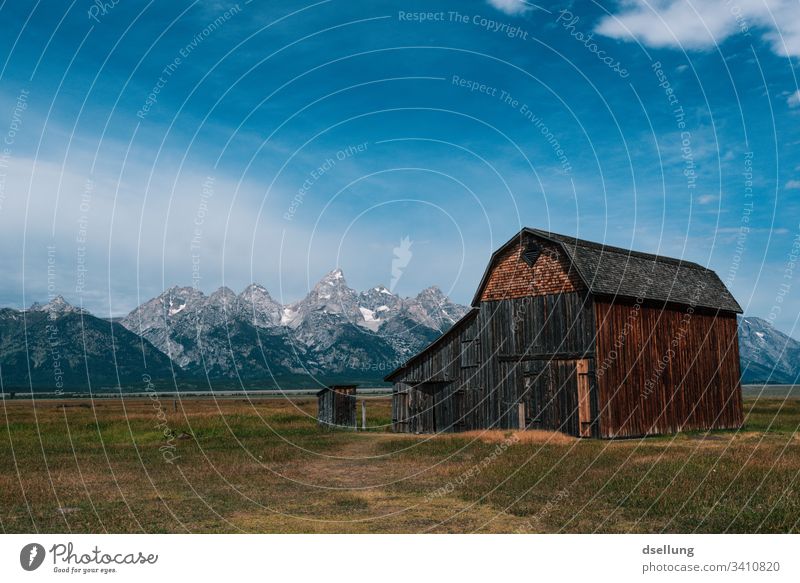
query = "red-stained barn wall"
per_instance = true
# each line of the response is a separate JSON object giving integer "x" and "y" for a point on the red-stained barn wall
{"x": 665, "y": 369}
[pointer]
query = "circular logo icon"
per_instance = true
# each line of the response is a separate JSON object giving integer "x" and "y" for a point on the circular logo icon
{"x": 31, "y": 556}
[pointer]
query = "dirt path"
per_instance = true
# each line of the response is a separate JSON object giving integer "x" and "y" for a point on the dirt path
{"x": 358, "y": 489}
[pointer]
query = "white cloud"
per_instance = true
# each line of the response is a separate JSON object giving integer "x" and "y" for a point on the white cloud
{"x": 794, "y": 99}
{"x": 701, "y": 24}
{"x": 707, "y": 198}
{"x": 512, "y": 7}
{"x": 135, "y": 248}
{"x": 793, "y": 185}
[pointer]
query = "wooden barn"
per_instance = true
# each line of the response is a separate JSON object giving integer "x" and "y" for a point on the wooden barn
{"x": 336, "y": 406}
{"x": 582, "y": 338}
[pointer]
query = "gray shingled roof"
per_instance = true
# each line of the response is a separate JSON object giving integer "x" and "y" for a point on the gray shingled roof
{"x": 615, "y": 271}
{"x": 620, "y": 272}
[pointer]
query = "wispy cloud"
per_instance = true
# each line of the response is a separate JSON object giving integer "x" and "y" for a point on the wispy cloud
{"x": 794, "y": 99}
{"x": 701, "y": 24}
{"x": 793, "y": 185}
{"x": 512, "y": 7}
{"x": 707, "y": 198}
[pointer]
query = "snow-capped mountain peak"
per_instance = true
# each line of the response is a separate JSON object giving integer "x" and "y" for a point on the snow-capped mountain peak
{"x": 330, "y": 295}
{"x": 257, "y": 305}
{"x": 196, "y": 330}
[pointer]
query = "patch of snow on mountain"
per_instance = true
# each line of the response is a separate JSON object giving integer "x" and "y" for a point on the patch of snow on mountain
{"x": 288, "y": 316}
{"x": 173, "y": 311}
{"x": 370, "y": 321}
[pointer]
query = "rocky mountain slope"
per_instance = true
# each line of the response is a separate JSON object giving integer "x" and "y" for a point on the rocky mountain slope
{"x": 58, "y": 346}
{"x": 766, "y": 353}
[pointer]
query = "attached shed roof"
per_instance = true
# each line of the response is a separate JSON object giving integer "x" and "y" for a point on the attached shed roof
{"x": 615, "y": 271}
{"x": 454, "y": 329}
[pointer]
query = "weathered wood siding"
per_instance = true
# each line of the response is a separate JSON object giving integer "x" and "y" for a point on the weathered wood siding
{"x": 439, "y": 392}
{"x": 662, "y": 369}
{"x": 443, "y": 362}
{"x": 537, "y": 328}
{"x": 336, "y": 408}
{"x": 537, "y": 312}
{"x": 474, "y": 378}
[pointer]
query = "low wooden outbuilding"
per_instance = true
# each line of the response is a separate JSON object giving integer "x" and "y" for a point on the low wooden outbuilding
{"x": 337, "y": 406}
{"x": 580, "y": 337}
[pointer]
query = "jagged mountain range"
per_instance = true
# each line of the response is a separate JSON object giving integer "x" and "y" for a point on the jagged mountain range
{"x": 334, "y": 330}
{"x": 333, "y": 334}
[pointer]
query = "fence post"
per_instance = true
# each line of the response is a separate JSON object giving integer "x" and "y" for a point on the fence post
{"x": 364, "y": 415}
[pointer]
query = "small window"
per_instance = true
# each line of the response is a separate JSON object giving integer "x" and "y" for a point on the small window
{"x": 531, "y": 253}
{"x": 470, "y": 353}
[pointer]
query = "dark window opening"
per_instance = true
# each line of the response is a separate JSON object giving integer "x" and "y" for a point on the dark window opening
{"x": 531, "y": 253}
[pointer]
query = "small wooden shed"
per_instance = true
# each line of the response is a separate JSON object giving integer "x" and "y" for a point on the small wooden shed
{"x": 337, "y": 406}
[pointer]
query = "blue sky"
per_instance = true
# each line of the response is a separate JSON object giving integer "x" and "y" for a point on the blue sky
{"x": 288, "y": 138}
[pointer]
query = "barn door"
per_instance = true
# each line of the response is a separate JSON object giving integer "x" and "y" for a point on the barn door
{"x": 537, "y": 393}
{"x": 557, "y": 395}
{"x": 424, "y": 408}
{"x": 584, "y": 398}
{"x": 400, "y": 411}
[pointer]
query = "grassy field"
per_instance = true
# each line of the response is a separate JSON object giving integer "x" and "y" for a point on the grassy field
{"x": 264, "y": 466}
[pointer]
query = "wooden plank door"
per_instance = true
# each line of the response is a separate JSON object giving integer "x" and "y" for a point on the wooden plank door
{"x": 584, "y": 398}
{"x": 536, "y": 395}
{"x": 400, "y": 411}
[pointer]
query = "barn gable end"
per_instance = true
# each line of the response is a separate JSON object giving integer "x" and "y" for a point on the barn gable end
{"x": 510, "y": 276}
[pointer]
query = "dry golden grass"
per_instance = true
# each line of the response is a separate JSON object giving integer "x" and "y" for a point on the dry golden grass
{"x": 265, "y": 466}
{"x": 518, "y": 437}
